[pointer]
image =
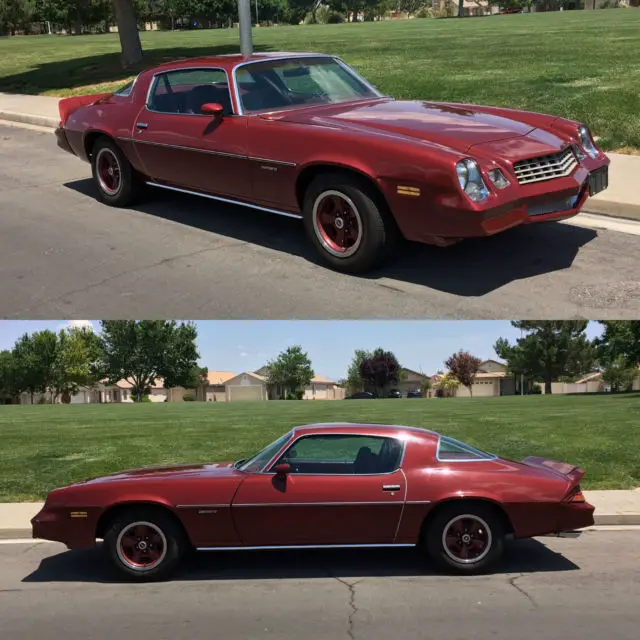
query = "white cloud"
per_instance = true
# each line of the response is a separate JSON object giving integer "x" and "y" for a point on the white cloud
{"x": 243, "y": 354}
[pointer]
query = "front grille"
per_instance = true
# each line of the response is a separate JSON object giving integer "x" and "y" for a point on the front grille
{"x": 556, "y": 165}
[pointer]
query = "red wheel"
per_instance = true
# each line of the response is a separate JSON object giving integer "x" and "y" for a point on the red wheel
{"x": 348, "y": 222}
{"x": 117, "y": 182}
{"x": 109, "y": 173}
{"x": 141, "y": 545}
{"x": 337, "y": 223}
{"x": 465, "y": 538}
{"x": 145, "y": 543}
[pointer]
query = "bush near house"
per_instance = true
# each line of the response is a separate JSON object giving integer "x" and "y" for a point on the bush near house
{"x": 42, "y": 447}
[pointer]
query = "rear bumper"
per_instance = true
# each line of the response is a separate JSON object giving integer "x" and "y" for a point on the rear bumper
{"x": 73, "y": 527}
{"x": 61, "y": 138}
{"x": 574, "y": 515}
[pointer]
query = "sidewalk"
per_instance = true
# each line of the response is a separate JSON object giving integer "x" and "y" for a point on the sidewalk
{"x": 620, "y": 200}
{"x": 612, "y": 508}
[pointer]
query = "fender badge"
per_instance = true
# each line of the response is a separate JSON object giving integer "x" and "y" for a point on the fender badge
{"x": 78, "y": 514}
{"x": 408, "y": 191}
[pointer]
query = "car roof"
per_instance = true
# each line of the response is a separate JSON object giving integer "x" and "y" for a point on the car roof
{"x": 364, "y": 428}
{"x": 230, "y": 60}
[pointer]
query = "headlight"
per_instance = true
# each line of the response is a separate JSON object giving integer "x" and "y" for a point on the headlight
{"x": 587, "y": 143}
{"x": 471, "y": 181}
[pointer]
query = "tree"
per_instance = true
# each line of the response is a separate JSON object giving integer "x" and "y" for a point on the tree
{"x": 447, "y": 384}
{"x": 619, "y": 374}
{"x": 354, "y": 381}
{"x": 464, "y": 367}
{"x": 141, "y": 351}
{"x": 380, "y": 369}
{"x": 621, "y": 338}
{"x": 77, "y": 362}
{"x": 426, "y": 386}
{"x": 290, "y": 372}
{"x": 548, "y": 350}
{"x": 128, "y": 32}
{"x": 198, "y": 380}
{"x": 9, "y": 382}
{"x": 34, "y": 359}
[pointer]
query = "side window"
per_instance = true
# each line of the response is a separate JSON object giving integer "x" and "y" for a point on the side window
{"x": 450, "y": 450}
{"x": 185, "y": 91}
{"x": 343, "y": 455}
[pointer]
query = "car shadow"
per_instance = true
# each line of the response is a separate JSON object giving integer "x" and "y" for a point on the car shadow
{"x": 62, "y": 75}
{"x": 522, "y": 556}
{"x": 472, "y": 268}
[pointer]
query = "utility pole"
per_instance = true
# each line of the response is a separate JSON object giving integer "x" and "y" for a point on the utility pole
{"x": 257, "y": 21}
{"x": 244, "y": 20}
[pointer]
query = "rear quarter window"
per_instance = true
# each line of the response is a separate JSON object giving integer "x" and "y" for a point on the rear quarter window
{"x": 452, "y": 450}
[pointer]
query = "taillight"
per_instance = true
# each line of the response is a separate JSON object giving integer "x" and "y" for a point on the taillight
{"x": 575, "y": 495}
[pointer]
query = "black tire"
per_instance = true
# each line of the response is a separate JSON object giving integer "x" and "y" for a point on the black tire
{"x": 377, "y": 231}
{"x": 172, "y": 537}
{"x": 483, "y": 550}
{"x": 128, "y": 186}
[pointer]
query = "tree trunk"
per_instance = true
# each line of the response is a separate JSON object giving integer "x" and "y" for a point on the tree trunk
{"x": 547, "y": 386}
{"x": 128, "y": 32}
{"x": 460, "y": 8}
{"x": 470, "y": 390}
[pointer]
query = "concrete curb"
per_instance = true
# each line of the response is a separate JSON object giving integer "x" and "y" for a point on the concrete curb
{"x": 41, "y": 121}
{"x": 621, "y": 210}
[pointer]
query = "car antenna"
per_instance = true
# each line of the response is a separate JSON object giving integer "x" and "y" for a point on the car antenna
{"x": 244, "y": 21}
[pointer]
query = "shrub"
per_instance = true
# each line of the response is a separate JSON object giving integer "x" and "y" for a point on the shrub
{"x": 189, "y": 398}
{"x": 536, "y": 390}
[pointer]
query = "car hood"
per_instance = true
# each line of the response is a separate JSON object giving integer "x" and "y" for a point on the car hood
{"x": 220, "y": 469}
{"x": 454, "y": 126}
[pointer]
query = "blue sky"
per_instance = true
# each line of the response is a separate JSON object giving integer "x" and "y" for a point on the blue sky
{"x": 246, "y": 345}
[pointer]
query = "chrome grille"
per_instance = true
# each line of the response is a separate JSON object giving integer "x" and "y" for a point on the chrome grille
{"x": 556, "y": 165}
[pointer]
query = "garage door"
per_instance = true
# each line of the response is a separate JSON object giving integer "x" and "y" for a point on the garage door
{"x": 253, "y": 392}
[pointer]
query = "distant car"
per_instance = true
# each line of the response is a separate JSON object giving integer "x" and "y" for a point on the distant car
{"x": 361, "y": 395}
{"x": 304, "y": 136}
{"x": 394, "y": 393}
{"x": 414, "y": 394}
{"x": 325, "y": 485}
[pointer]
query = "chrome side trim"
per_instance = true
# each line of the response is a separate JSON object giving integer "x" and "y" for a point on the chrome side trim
{"x": 227, "y": 200}
{"x": 418, "y": 502}
{"x": 394, "y": 503}
{"x": 307, "y": 546}
{"x": 282, "y": 162}
{"x": 178, "y": 147}
{"x": 202, "y": 506}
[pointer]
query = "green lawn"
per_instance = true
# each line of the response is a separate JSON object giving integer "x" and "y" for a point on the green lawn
{"x": 579, "y": 64}
{"x": 42, "y": 447}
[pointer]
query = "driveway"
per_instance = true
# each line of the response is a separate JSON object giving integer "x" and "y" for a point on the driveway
{"x": 63, "y": 254}
{"x": 586, "y": 588}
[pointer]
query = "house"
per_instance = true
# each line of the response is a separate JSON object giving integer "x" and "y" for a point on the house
{"x": 492, "y": 380}
{"x": 411, "y": 380}
{"x": 227, "y": 386}
{"x": 470, "y": 7}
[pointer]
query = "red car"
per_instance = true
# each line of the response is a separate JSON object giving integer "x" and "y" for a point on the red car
{"x": 319, "y": 486}
{"x": 304, "y": 136}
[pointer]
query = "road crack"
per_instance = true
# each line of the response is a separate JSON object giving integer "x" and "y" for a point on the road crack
{"x": 351, "y": 586}
{"x": 517, "y": 587}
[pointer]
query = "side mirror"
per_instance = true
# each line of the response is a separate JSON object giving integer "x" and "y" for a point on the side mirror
{"x": 212, "y": 109}
{"x": 282, "y": 470}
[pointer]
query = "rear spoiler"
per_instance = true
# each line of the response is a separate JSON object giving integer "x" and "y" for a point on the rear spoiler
{"x": 66, "y": 106}
{"x": 572, "y": 473}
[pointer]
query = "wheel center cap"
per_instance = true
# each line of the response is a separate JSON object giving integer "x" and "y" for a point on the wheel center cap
{"x": 110, "y": 171}
{"x": 142, "y": 545}
{"x": 466, "y": 538}
{"x": 339, "y": 223}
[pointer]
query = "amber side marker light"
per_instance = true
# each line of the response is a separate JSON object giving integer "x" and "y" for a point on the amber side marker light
{"x": 576, "y": 496}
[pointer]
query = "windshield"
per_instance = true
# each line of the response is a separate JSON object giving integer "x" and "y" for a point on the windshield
{"x": 259, "y": 461}
{"x": 279, "y": 84}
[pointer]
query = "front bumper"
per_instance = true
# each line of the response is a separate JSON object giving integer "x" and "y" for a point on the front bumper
{"x": 73, "y": 527}
{"x": 437, "y": 219}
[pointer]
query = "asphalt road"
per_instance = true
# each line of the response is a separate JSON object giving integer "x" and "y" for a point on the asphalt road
{"x": 64, "y": 255}
{"x": 587, "y": 588}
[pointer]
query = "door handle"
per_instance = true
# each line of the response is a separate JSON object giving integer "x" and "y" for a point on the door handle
{"x": 391, "y": 487}
{"x": 141, "y": 125}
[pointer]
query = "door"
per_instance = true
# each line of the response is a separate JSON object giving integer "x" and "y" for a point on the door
{"x": 342, "y": 489}
{"x": 179, "y": 146}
